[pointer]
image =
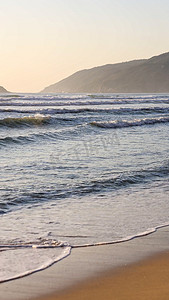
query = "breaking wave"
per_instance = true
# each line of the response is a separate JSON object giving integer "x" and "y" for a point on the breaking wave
{"x": 37, "y": 119}
{"x": 129, "y": 98}
{"x": 126, "y": 123}
{"x": 118, "y": 111}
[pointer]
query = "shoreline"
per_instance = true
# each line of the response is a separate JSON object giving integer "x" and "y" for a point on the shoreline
{"x": 85, "y": 264}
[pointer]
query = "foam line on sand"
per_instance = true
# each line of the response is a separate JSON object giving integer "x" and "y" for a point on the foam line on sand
{"x": 84, "y": 264}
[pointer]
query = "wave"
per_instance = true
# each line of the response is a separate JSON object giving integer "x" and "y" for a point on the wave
{"x": 22, "y": 139}
{"x": 110, "y": 183}
{"x": 126, "y": 123}
{"x": 119, "y": 111}
{"x": 16, "y": 140}
{"x": 35, "y": 258}
{"x": 125, "y": 179}
{"x": 44, "y": 97}
{"x": 21, "y": 102}
{"x": 4, "y": 97}
{"x": 126, "y": 239}
{"x": 37, "y": 119}
{"x": 128, "y": 98}
{"x": 83, "y": 99}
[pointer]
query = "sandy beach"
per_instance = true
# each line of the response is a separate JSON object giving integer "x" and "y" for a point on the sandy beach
{"x": 145, "y": 280}
{"x": 112, "y": 268}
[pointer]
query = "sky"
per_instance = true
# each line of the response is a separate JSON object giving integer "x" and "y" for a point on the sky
{"x": 44, "y": 41}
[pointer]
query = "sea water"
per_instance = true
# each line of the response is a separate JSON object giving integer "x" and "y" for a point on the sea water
{"x": 76, "y": 170}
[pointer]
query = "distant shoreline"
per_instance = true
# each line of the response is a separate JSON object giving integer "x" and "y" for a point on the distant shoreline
{"x": 3, "y": 90}
{"x": 135, "y": 76}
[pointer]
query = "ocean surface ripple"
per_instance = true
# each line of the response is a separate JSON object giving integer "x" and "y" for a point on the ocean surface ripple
{"x": 79, "y": 170}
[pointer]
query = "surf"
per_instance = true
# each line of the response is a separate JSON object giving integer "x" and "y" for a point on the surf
{"x": 36, "y": 120}
{"x": 127, "y": 123}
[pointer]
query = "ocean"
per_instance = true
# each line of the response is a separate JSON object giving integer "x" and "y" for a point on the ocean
{"x": 79, "y": 170}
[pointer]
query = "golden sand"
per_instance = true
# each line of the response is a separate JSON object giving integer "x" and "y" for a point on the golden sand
{"x": 146, "y": 280}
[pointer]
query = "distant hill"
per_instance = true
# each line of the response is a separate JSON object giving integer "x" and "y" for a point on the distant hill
{"x": 3, "y": 90}
{"x": 137, "y": 76}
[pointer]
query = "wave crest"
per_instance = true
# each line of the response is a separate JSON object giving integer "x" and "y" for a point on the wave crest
{"x": 126, "y": 123}
{"x": 37, "y": 119}
{"x": 99, "y": 109}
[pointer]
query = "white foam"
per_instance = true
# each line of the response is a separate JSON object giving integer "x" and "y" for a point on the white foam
{"x": 17, "y": 263}
{"x": 126, "y": 239}
{"x": 126, "y": 123}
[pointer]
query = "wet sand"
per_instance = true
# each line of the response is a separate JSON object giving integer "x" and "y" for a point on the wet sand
{"x": 91, "y": 267}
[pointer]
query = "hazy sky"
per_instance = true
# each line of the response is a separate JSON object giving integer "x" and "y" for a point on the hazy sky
{"x": 43, "y": 41}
